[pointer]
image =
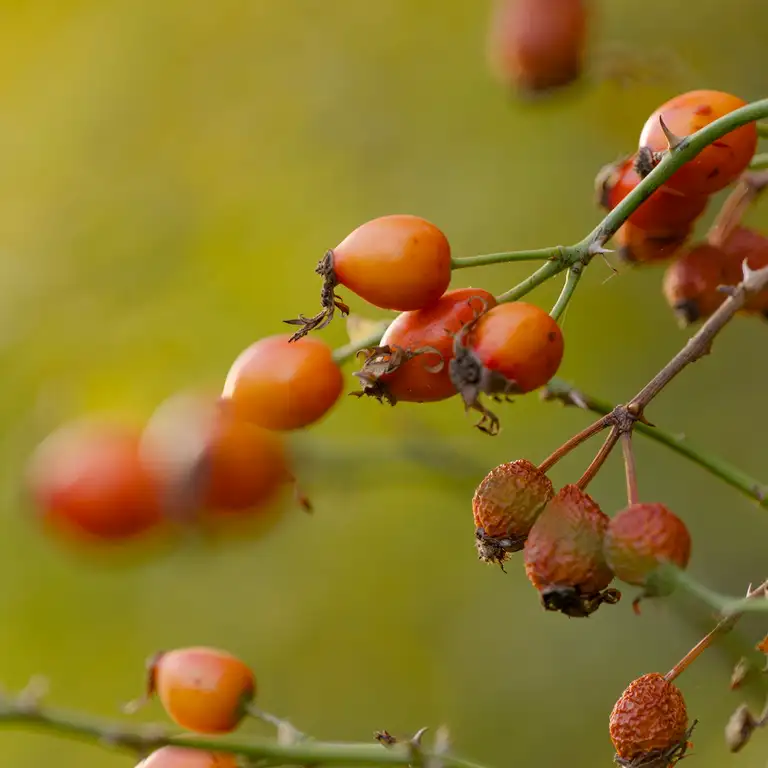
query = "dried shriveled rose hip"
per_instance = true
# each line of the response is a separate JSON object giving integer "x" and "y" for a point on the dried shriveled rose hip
{"x": 282, "y": 385}
{"x": 505, "y": 506}
{"x": 636, "y": 246}
{"x": 649, "y": 724}
{"x": 89, "y": 480}
{"x": 511, "y": 349}
{"x": 642, "y": 537}
{"x": 564, "y": 555}
{"x": 399, "y": 262}
{"x": 412, "y": 362}
{"x": 537, "y": 45}
{"x": 202, "y": 689}
{"x": 665, "y": 214}
{"x": 178, "y": 757}
{"x": 717, "y": 165}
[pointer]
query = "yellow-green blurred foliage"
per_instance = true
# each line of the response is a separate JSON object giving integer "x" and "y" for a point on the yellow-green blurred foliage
{"x": 170, "y": 172}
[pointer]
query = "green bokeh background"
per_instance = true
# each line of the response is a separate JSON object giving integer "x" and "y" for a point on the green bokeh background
{"x": 171, "y": 172}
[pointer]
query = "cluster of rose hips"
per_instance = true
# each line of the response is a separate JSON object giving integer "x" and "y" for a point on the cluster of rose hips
{"x": 206, "y": 459}
{"x": 660, "y": 228}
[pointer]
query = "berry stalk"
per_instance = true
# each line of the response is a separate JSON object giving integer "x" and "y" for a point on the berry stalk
{"x": 538, "y": 254}
{"x": 723, "y": 470}
{"x": 572, "y": 278}
{"x": 630, "y": 468}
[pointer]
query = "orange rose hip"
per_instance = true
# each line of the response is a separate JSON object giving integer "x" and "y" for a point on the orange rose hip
{"x": 537, "y": 45}
{"x": 281, "y": 385}
{"x": 202, "y": 689}
{"x": 399, "y": 262}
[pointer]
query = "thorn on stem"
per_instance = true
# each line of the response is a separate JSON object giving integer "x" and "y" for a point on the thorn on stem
{"x": 673, "y": 140}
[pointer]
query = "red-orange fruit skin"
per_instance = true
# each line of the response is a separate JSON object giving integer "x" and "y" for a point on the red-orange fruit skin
{"x": 178, "y": 757}
{"x": 400, "y": 262}
{"x": 521, "y": 342}
{"x": 690, "y": 284}
{"x": 284, "y": 385}
{"x": 89, "y": 480}
{"x": 747, "y": 244}
{"x": 650, "y": 715}
{"x": 431, "y": 327}
{"x": 637, "y": 246}
{"x": 664, "y": 214}
{"x": 718, "y": 164}
{"x": 510, "y": 498}
{"x": 204, "y": 689}
{"x": 643, "y": 536}
{"x": 537, "y": 45}
{"x": 565, "y": 544}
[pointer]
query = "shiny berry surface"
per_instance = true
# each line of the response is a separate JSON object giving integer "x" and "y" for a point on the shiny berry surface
{"x": 718, "y": 164}
{"x": 284, "y": 385}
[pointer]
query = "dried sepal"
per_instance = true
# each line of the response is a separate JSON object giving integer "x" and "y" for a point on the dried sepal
{"x": 574, "y": 603}
{"x": 384, "y": 361}
{"x": 329, "y": 301}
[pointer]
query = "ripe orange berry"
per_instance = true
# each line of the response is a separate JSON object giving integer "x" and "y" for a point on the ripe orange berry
{"x": 212, "y": 459}
{"x": 178, "y": 757}
{"x": 399, "y": 262}
{"x": 281, "y": 385}
{"x": 665, "y": 213}
{"x": 412, "y": 362}
{"x": 642, "y": 537}
{"x": 202, "y": 689}
{"x": 564, "y": 555}
{"x": 691, "y": 282}
{"x": 505, "y": 507}
{"x": 537, "y": 45}
{"x": 89, "y": 480}
{"x": 636, "y": 246}
{"x": 649, "y": 723}
{"x": 512, "y": 348}
{"x": 716, "y": 166}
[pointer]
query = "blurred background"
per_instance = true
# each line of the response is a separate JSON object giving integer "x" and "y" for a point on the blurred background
{"x": 171, "y": 173}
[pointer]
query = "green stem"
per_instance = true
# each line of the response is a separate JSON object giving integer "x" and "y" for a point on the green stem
{"x": 762, "y": 130}
{"x": 723, "y": 604}
{"x": 733, "y": 476}
{"x": 759, "y": 162}
{"x": 540, "y": 276}
{"x": 347, "y": 352}
{"x": 572, "y": 278}
{"x": 539, "y": 254}
{"x": 688, "y": 148}
{"x": 114, "y": 734}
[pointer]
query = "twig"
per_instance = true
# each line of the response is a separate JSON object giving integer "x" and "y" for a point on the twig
{"x": 114, "y": 734}
{"x": 700, "y": 343}
{"x": 724, "y": 626}
{"x": 572, "y": 278}
{"x": 574, "y": 442}
{"x": 730, "y": 474}
{"x": 630, "y": 468}
{"x": 539, "y": 254}
{"x": 759, "y": 161}
{"x": 599, "y": 460}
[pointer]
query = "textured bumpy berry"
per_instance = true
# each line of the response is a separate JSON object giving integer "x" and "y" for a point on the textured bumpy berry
{"x": 642, "y": 537}
{"x": 564, "y": 554}
{"x": 505, "y": 507}
{"x": 649, "y": 723}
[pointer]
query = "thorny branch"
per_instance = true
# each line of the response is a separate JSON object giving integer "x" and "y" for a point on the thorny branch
{"x": 28, "y": 710}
